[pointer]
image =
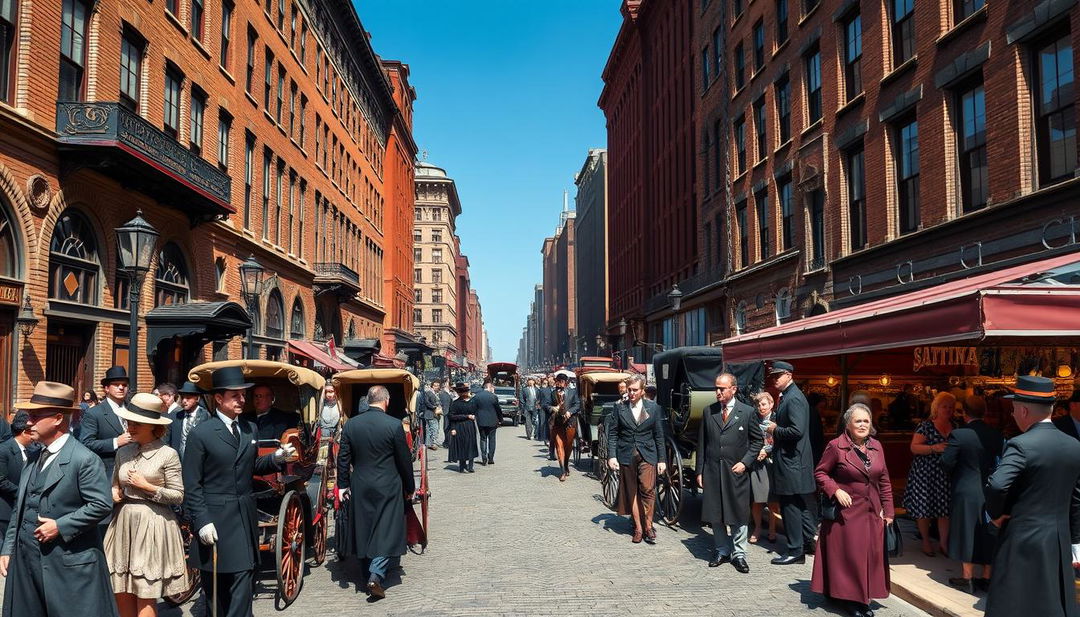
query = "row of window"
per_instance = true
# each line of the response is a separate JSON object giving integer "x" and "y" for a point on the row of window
{"x": 436, "y": 295}
{"x": 436, "y": 275}
{"x": 436, "y": 255}
{"x": 418, "y": 235}
{"x": 429, "y": 214}
{"x": 436, "y": 316}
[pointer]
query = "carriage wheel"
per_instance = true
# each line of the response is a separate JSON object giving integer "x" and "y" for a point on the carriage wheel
{"x": 423, "y": 494}
{"x": 669, "y": 486}
{"x": 321, "y": 516}
{"x": 289, "y": 549}
{"x": 194, "y": 575}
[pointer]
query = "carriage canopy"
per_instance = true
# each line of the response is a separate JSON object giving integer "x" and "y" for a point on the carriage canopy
{"x": 352, "y": 387}
{"x": 295, "y": 387}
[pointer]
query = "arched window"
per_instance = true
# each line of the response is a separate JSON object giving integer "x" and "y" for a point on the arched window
{"x": 740, "y": 318}
{"x": 783, "y": 305}
{"x": 73, "y": 260}
{"x": 320, "y": 330}
{"x": 171, "y": 278}
{"x": 275, "y": 316}
{"x": 296, "y": 322}
{"x": 9, "y": 265}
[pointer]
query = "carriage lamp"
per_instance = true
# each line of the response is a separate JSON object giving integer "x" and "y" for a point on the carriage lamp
{"x": 675, "y": 296}
{"x": 885, "y": 380}
{"x": 135, "y": 242}
{"x": 26, "y": 320}
{"x": 831, "y": 381}
{"x": 1064, "y": 370}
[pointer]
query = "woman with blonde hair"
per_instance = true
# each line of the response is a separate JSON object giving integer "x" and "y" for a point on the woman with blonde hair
{"x": 926, "y": 497}
{"x": 761, "y": 470}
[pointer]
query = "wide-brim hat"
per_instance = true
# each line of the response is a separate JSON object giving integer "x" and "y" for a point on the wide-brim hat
{"x": 229, "y": 378}
{"x": 51, "y": 395}
{"x": 189, "y": 389}
{"x": 461, "y": 387}
{"x": 779, "y": 366}
{"x": 115, "y": 373}
{"x": 145, "y": 409}
{"x": 1031, "y": 389}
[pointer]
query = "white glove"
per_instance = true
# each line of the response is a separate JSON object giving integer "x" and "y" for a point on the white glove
{"x": 1075, "y": 554}
{"x": 208, "y": 534}
{"x": 286, "y": 452}
{"x": 343, "y": 494}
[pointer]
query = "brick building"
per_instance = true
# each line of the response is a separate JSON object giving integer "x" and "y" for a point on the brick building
{"x": 590, "y": 253}
{"x": 559, "y": 290}
{"x": 649, "y": 103}
{"x": 237, "y": 129}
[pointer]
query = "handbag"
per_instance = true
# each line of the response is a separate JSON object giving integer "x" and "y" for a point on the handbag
{"x": 894, "y": 540}
{"x": 830, "y": 509}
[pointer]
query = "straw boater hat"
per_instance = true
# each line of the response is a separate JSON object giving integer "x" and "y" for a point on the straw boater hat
{"x": 51, "y": 395}
{"x": 145, "y": 409}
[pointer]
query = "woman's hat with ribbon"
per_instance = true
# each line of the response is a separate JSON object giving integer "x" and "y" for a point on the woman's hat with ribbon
{"x": 145, "y": 409}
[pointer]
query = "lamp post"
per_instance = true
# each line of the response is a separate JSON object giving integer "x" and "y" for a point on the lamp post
{"x": 26, "y": 320}
{"x": 135, "y": 242}
{"x": 675, "y": 297}
{"x": 251, "y": 277}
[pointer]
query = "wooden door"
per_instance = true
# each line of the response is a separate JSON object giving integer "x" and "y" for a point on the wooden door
{"x": 68, "y": 358}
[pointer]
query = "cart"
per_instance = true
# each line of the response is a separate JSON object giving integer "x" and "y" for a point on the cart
{"x": 404, "y": 388}
{"x": 507, "y": 382}
{"x": 294, "y": 503}
{"x": 598, "y": 391}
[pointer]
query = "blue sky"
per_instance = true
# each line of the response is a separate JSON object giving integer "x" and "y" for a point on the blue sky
{"x": 506, "y": 103}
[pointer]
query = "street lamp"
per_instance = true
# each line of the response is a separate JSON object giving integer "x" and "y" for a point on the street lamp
{"x": 675, "y": 297}
{"x": 251, "y": 273}
{"x": 26, "y": 320}
{"x": 135, "y": 242}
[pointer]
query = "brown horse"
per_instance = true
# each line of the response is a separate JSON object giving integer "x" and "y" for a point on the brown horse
{"x": 563, "y": 429}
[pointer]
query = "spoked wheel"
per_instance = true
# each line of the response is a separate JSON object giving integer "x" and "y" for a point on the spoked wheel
{"x": 418, "y": 544}
{"x": 194, "y": 574}
{"x": 321, "y": 520}
{"x": 669, "y": 487}
{"x": 289, "y": 549}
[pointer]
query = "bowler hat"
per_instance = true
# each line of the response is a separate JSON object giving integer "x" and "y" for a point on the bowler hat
{"x": 461, "y": 387}
{"x": 145, "y": 409}
{"x": 115, "y": 373}
{"x": 1030, "y": 389}
{"x": 189, "y": 388}
{"x": 779, "y": 366}
{"x": 229, "y": 378}
{"x": 561, "y": 377}
{"x": 51, "y": 395}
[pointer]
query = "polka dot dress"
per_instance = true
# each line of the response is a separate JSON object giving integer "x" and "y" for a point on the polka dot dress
{"x": 927, "y": 492}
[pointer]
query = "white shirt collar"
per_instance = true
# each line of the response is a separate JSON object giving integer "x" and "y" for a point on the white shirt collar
{"x": 55, "y": 446}
{"x": 226, "y": 419}
{"x": 113, "y": 404}
{"x": 731, "y": 404}
{"x": 638, "y": 406}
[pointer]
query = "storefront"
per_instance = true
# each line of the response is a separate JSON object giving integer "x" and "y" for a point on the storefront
{"x": 971, "y": 336}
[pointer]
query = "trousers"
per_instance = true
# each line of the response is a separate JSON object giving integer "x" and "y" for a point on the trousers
{"x": 431, "y": 431}
{"x": 799, "y": 525}
{"x": 487, "y": 443}
{"x": 235, "y": 590}
{"x": 530, "y": 423}
{"x": 24, "y": 581}
{"x": 730, "y": 540}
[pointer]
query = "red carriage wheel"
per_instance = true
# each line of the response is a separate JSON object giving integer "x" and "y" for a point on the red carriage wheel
{"x": 194, "y": 575}
{"x": 289, "y": 548}
{"x": 319, "y": 524}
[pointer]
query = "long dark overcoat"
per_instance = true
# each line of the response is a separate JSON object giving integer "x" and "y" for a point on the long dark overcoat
{"x": 850, "y": 562}
{"x": 726, "y": 495}
{"x": 217, "y": 489}
{"x": 464, "y": 446}
{"x": 969, "y": 458}
{"x": 100, "y": 425}
{"x": 374, "y": 464}
{"x": 77, "y": 494}
{"x": 1037, "y": 484}
{"x": 793, "y": 457}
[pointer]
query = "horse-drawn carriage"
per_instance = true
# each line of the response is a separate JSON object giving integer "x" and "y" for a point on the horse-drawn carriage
{"x": 352, "y": 387}
{"x": 507, "y": 382}
{"x": 598, "y": 391}
{"x": 294, "y": 503}
{"x": 685, "y": 386}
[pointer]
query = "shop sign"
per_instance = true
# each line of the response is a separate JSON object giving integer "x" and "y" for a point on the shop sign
{"x": 944, "y": 356}
{"x": 10, "y": 294}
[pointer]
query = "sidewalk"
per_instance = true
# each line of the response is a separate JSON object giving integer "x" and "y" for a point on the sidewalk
{"x": 924, "y": 581}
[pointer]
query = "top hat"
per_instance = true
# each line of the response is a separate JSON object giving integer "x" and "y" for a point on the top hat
{"x": 51, "y": 395}
{"x": 461, "y": 387}
{"x": 1031, "y": 389}
{"x": 561, "y": 377}
{"x": 229, "y": 378}
{"x": 144, "y": 409}
{"x": 115, "y": 373}
{"x": 189, "y": 388}
{"x": 779, "y": 366}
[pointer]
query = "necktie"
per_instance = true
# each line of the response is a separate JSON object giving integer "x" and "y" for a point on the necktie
{"x": 189, "y": 422}
{"x": 236, "y": 432}
{"x": 45, "y": 454}
{"x": 725, "y": 414}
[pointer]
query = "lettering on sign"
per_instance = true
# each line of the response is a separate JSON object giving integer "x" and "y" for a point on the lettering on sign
{"x": 10, "y": 294}
{"x": 944, "y": 356}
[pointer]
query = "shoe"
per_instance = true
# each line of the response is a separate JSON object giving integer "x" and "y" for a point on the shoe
{"x": 789, "y": 560}
{"x": 719, "y": 559}
{"x": 982, "y": 584}
{"x": 563, "y": 477}
{"x": 471, "y": 470}
{"x": 376, "y": 590}
{"x": 772, "y": 537}
{"x": 860, "y": 610}
{"x": 650, "y": 536}
{"x": 636, "y": 539}
{"x": 491, "y": 462}
{"x": 433, "y": 447}
{"x": 963, "y": 584}
{"x": 483, "y": 463}
{"x": 741, "y": 565}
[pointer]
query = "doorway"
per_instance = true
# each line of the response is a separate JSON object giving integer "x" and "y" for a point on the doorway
{"x": 69, "y": 355}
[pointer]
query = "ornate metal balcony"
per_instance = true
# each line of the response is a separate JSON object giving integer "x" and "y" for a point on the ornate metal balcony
{"x": 336, "y": 278}
{"x": 107, "y": 137}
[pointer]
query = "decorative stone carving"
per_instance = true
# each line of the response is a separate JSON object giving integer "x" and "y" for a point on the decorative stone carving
{"x": 38, "y": 192}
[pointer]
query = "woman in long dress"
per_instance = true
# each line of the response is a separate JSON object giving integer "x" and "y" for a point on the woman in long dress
{"x": 143, "y": 544}
{"x": 926, "y": 497}
{"x": 463, "y": 443}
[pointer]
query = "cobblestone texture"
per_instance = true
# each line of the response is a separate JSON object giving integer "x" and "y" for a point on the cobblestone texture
{"x": 512, "y": 540}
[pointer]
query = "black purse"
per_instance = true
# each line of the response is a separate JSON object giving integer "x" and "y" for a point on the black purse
{"x": 829, "y": 508}
{"x": 894, "y": 540}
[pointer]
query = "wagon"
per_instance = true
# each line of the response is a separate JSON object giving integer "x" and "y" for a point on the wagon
{"x": 599, "y": 391}
{"x": 294, "y": 503}
{"x": 404, "y": 388}
{"x": 507, "y": 382}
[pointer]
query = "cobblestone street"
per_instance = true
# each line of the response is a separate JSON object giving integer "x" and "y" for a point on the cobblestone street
{"x": 512, "y": 540}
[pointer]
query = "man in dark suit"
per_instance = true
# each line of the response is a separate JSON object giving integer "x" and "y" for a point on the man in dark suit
{"x": 1034, "y": 497}
{"x": 102, "y": 430}
{"x": 52, "y": 554}
{"x": 445, "y": 398}
{"x": 636, "y": 450}
{"x": 1070, "y": 422}
{"x": 969, "y": 457}
{"x": 488, "y": 418}
{"x": 270, "y": 422}
{"x": 13, "y": 454}
{"x": 429, "y": 402}
{"x": 530, "y": 403}
{"x": 545, "y": 398}
{"x": 375, "y": 471}
{"x": 220, "y": 461}
{"x": 190, "y": 414}
{"x": 793, "y": 480}
{"x": 729, "y": 439}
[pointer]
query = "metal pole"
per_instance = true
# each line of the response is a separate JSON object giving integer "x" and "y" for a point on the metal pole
{"x": 134, "y": 291}
{"x": 251, "y": 331}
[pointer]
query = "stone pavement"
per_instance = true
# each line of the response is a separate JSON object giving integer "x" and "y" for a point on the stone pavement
{"x": 512, "y": 540}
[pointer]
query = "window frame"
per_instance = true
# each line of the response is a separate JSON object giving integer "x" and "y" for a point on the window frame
{"x": 971, "y": 150}
{"x": 1044, "y": 111}
{"x": 855, "y": 175}
{"x": 173, "y": 100}
{"x": 196, "y": 119}
{"x": 783, "y": 109}
{"x": 131, "y": 41}
{"x": 902, "y": 29}
{"x": 225, "y": 44}
{"x": 9, "y": 46}
{"x": 852, "y": 63}
{"x": 73, "y": 54}
{"x": 907, "y": 174}
{"x": 761, "y": 209}
{"x": 759, "y": 45}
{"x": 812, "y": 83}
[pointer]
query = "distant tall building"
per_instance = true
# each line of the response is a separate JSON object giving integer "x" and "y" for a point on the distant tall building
{"x": 560, "y": 305}
{"x": 435, "y": 258}
{"x": 590, "y": 254}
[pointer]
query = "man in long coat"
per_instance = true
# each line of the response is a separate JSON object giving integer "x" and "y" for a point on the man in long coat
{"x": 530, "y": 403}
{"x": 489, "y": 415}
{"x": 220, "y": 461}
{"x": 445, "y": 398}
{"x": 52, "y": 554}
{"x": 545, "y": 398}
{"x": 102, "y": 430}
{"x": 375, "y": 473}
{"x": 793, "y": 480}
{"x": 1034, "y": 496}
{"x": 729, "y": 438}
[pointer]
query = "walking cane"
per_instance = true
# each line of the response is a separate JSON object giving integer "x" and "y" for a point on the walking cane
{"x": 214, "y": 610}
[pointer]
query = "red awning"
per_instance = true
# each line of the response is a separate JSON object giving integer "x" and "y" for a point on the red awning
{"x": 980, "y": 307}
{"x": 312, "y": 351}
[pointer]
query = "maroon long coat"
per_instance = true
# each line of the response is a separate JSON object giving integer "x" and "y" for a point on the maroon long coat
{"x": 850, "y": 562}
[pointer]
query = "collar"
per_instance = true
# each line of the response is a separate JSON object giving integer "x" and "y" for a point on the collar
{"x": 731, "y": 404}
{"x": 226, "y": 419}
{"x": 55, "y": 446}
{"x": 844, "y": 441}
{"x": 638, "y": 406}
{"x": 148, "y": 450}
{"x": 113, "y": 405}
{"x": 259, "y": 415}
{"x": 22, "y": 448}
